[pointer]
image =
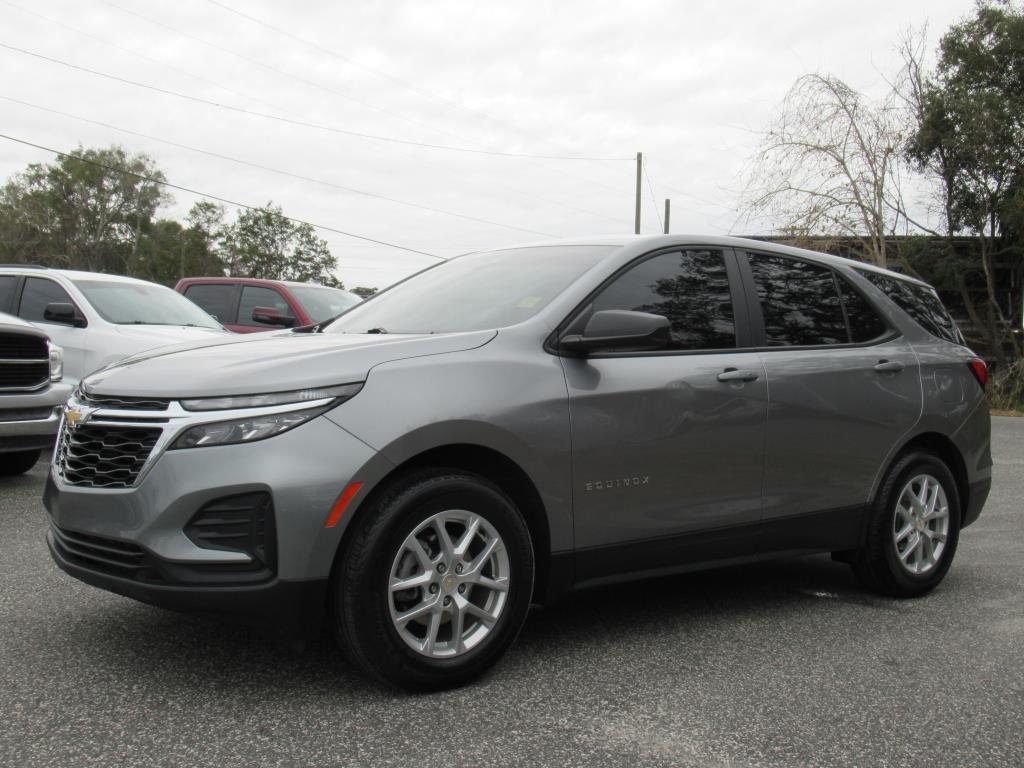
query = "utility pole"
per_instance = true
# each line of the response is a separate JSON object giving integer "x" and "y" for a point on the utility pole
{"x": 639, "y": 173}
{"x": 668, "y": 211}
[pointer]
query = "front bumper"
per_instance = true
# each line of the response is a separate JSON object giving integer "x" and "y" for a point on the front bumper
{"x": 29, "y": 421}
{"x": 303, "y": 470}
{"x": 291, "y": 609}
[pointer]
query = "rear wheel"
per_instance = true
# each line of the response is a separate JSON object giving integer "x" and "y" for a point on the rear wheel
{"x": 18, "y": 462}
{"x": 435, "y": 581}
{"x": 913, "y": 530}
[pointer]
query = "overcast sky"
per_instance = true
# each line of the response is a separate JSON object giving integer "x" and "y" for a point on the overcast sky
{"x": 689, "y": 84}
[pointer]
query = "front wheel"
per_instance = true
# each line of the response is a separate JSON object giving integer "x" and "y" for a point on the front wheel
{"x": 913, "y": 530}
{"x": 18, "y": 462}
{"x": 435, "y": 581}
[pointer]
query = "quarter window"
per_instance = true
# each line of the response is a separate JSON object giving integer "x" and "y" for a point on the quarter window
{"x": 799, "y": 302}
{"x": 36, "y": 295}
{"x": 690, "y": 288}
{"x": 920, "y": 302}
{"x": 216, "y": 298}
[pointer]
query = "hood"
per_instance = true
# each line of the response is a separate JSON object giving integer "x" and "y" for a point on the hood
{"x": 12, "y": 323}
{"x": 260, "y": 363}
{"x": 162, "y": 335}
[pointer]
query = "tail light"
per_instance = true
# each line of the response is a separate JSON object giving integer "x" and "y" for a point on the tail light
{"x": 979, "y": 369}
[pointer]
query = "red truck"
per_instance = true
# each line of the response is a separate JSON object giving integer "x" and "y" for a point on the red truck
{"x": 247, "y": 305}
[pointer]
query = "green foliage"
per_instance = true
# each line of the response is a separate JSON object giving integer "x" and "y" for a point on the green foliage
{"x": 363, "y": 291}
{"x": 264, "y": 243}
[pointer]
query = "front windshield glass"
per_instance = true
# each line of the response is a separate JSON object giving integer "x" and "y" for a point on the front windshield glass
{"x": 142, "y": 304}
{"x": 477, "y": 292}
{"x": 322, "y": 303}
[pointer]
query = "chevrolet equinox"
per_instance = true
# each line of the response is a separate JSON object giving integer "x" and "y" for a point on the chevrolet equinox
{"x": 511, "y": 425}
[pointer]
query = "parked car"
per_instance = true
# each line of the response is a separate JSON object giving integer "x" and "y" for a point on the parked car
{"x": 510, "y": 425}
{"x": 31, "y": 394}
{"x": 248, "y": 305}
{"x": 97, "y": 318}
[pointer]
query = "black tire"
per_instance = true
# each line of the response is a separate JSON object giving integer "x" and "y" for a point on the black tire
{"x": 877, "y": 563}
{"x": 360, "y": 594}
{"x": 18, "y": 462}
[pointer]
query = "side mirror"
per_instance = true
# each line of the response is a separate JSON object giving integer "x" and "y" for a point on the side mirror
{"x": 65, "y": 313}
{"x": 619, "y": 330}
{"x": 270, "y": 316}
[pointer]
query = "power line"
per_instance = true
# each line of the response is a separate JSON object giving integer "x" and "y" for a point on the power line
{"x": 209, "y": 196}
{"x": 278, "y": 171}
{"x": 291, "y": 121}
{"x": 104, "y": 41}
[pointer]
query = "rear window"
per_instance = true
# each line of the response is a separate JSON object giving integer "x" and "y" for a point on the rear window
{"x": 920, "y": 302}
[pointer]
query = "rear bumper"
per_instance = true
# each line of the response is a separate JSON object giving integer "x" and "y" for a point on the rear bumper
{"x": 292, "y": 610}
{"x": 977, "y": 495}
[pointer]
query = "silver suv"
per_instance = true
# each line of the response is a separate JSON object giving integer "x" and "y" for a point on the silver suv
{"x": 511, "y": 425}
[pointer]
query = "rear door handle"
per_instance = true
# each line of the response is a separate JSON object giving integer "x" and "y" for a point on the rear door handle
{"x": 731, "y": 374}
{"x": 889, "y": 366}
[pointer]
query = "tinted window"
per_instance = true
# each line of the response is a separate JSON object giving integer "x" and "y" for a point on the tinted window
{"x": 481, "y": 291}
{"x": 217, "y": 300}
{"x": 7, "y": 284}
{"x": 39, "y": 292}
{"x": 254, "y": 296}
{"x": 799, "y": 302}
{"x": 920, "y": 302}
{"x": 690, "y": 288}
{"x": 865, "y": 324}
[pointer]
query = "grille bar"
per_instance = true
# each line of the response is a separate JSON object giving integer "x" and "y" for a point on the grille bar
{"x": 124, "y": 403}
{"x": 101, "y": 553}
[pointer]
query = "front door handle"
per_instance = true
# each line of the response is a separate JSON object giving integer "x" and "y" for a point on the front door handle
{"x": 889, "y": 366}
{"x": 731, "y": 374}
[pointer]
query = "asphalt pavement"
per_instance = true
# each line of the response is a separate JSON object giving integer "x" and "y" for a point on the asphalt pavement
{"x": 780, "y": 664}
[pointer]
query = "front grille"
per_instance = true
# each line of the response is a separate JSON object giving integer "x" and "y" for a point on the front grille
{"x": 242, "y": 523}
{"x": 25, "y": 414}
{"x": 104, "y": 457}
{"x": 124, "y": 403}
{"x": 23, "y": 346}
{"x": 98, "y": 553}
{"x": 24, "y": 362}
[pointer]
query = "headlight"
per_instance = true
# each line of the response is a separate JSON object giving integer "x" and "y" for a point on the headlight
{"x": 56, "y": 363}
{"x": 339, "y": 393}
{"x": 244, "y": 430}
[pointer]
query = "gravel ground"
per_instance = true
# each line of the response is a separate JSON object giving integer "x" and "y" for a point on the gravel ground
{"x": 787, "y": 663}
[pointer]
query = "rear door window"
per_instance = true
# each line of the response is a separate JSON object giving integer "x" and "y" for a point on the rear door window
{"x": 36, "y": 295}
{"x": 690, "y": 288}
{"x": 865, "y": 323}
{"x": 256, "y": 296}
{"x": 920, "y": 302}
{"x": 218, "y": 299}
{"x": 799, "y": 301}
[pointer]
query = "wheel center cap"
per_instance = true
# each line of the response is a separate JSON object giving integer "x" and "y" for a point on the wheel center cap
{"x": 919, "y": 524}
{"x": 449, "y": 582}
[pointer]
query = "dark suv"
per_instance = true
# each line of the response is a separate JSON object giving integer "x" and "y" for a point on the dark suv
{"x": 248, "y": 305}
{"x": 511, "y": 425}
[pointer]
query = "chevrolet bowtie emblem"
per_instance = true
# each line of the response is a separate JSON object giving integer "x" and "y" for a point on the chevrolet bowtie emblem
{"x": 76, "y": 415}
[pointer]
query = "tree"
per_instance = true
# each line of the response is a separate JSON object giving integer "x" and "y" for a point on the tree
{"x": 363, "y": 291}
{"x": 830, "y": 164}
{"x": 969, "y": 134}
{"x": 264, "y": 243}
{"x": 81, "y": 211}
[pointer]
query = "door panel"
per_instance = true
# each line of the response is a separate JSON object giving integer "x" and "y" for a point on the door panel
{"x": 662, "y": 447}
{"x": 832, "y": 419}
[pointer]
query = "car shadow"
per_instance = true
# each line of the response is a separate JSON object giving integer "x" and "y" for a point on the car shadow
{"x": 170, "y": 648}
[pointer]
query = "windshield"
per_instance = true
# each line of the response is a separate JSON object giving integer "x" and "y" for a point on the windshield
{"x": 477, "y": 292}
{"x": 323, "y": 303}
{"x": 142, "y": 304}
